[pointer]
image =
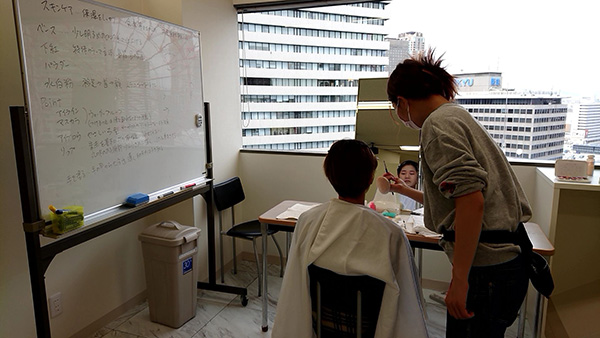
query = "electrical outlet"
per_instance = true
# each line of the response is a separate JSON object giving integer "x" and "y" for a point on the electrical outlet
{"x": 55, "y": 303}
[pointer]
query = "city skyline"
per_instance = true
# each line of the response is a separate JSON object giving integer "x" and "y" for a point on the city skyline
{"x": 299, "y": 95}
{"x": 536, "y": 45}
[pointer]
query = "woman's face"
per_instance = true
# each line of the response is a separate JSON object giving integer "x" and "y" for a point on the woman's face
{"x": 408, "y": 174}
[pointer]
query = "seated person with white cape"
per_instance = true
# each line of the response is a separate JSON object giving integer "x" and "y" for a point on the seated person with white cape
{"x": 348, "y": 238}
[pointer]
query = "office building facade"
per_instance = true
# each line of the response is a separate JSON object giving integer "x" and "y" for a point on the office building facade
{"x": 583, "y": 129}
{"x": 398, "y": 52}
{"x": 587, "y": 120}
{"x": 526, "y": 125}
{"x": 416, "y": 42}
{"x": 406, "y": 45}
{"x": 299, "y": 72}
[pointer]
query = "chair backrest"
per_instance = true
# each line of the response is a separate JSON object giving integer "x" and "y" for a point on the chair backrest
{"x": 228, "y": 193}
{"x": 344, "y": 306}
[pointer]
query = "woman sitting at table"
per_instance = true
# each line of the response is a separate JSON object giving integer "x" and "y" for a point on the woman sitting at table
{"x": 408, "y": 172}
{"x": 348, "y": 238}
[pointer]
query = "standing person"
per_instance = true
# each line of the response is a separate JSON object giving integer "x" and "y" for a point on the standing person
{"x": 408, "y": 172}
{"x": 348, "y": 238}
{"x": 470, "y": 195}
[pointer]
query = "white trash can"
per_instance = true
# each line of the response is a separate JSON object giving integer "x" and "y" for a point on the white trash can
{"x": 169, "y": 251}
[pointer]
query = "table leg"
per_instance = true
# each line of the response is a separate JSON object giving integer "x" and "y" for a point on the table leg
{"x": 522, "y": 317}
{"x": 537, "y": 326}
{"x": 420, "y": 264}
{"x": 288, "y": 242}
{"x": 265, "y": 304}
{"x": 538, "y": 315}
{"x": 287, "y": 249}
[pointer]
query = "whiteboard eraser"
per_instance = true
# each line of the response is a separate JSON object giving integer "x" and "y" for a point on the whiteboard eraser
{"x": 136, "y": 199}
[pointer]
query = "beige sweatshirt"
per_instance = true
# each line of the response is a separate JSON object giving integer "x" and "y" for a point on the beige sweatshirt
{"x": 459, "y": 157}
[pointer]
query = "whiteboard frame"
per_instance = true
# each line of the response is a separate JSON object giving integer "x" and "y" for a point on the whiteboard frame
{"x": 110, "y": 211}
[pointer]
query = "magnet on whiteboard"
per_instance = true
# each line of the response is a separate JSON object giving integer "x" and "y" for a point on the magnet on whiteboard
{"x": 198, "y": 120}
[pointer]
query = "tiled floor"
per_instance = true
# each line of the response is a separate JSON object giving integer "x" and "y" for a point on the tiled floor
{"x": 222, "y": 315}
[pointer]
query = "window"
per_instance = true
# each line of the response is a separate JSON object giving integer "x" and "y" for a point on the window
{"x": 304, "y": 69}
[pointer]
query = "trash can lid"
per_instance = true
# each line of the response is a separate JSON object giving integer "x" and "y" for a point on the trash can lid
{"x": 169, "y": 233}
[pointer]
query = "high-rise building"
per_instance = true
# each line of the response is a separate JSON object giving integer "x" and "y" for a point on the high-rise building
{"x": 398, "y": 52}
{"x": 299, "y": 71}
{"x": 587, "y": 119}
{"x": 583, "y": 123}
{"x": 406, "y": 45}
{"x": 526, "y": 125}
{"x": 416, "y": 42}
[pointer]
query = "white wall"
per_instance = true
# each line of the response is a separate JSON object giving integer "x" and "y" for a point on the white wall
{"x": 271, "y": 178}
{"x": 100, "y": 275}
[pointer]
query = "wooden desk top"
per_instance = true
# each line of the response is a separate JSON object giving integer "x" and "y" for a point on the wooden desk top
{"x": 270, "y": 216}
{"x": 540, "y": 242}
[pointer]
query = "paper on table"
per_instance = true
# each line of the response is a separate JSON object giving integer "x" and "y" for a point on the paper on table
{"x": 419, "y": 211}
{"x": 413, "y": 224}
{"x": 294, "y": 211}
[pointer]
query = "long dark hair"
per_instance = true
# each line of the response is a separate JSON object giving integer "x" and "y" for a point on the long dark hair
{"x": 420, "y": 77}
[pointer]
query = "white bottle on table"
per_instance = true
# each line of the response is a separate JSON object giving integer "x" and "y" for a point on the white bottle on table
{"x": 590, "y": 165}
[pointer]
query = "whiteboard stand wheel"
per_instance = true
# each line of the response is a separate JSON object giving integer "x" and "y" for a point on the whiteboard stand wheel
{"x": 244, "y": 300}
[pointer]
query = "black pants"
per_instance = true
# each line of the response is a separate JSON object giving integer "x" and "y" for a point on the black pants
{"x": 495, "y": 296}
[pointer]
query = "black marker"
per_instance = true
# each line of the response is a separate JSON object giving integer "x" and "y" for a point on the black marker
{"x": 166, "y": 194}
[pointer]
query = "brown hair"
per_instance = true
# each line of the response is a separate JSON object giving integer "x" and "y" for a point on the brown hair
{"x": 349, "y": 167}
{"x": 420, "y": 77}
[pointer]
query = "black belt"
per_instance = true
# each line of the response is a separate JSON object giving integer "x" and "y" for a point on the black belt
{"x": 494, "y": 236}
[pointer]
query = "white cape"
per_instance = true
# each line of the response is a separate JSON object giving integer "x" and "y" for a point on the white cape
{"x": 351, "y": 239}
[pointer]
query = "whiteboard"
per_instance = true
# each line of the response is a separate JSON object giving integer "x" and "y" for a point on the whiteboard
{"x": 114, "y": 101}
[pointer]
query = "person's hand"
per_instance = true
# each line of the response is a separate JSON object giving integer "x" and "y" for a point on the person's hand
{"x": 456, "y": 299}
{"x": 396, "y": 184}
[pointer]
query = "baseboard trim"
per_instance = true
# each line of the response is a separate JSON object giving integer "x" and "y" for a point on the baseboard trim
{"x": 108, "y": 318}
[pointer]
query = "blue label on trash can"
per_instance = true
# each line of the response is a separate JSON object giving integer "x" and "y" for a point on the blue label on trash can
{"x": 187, "y": 265}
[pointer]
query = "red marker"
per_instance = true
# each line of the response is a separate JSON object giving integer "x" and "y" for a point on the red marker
{"x": 188, "y": 186}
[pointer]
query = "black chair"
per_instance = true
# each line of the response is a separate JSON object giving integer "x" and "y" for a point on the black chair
{"x": 344, "y": 306}
{"x": 226, "y": 195}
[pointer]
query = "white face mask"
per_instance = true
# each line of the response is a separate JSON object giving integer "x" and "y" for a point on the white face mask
{"x": 409, "y": 124}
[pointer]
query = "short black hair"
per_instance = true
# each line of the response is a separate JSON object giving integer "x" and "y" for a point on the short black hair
{"x": 349, "y": 167}
{"x": 405, "y": 163}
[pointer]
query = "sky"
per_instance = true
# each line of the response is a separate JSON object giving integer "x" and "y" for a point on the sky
{"x": 537, "y": 45}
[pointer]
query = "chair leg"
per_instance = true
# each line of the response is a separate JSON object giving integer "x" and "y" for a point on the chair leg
{"x": 280, "y": 256}
{"x": 522, "y": 315}
{"x": 358, "y": 315}
{"x": 257, "y": 266}
{"x": 287, "y": 245}
{"x": 221, "y": 250}
{"x": 319, "y": 319}
{"x": 234, "y": 255}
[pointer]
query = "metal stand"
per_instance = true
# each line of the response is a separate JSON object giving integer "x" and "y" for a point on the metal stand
{"x": 212, "y": 280}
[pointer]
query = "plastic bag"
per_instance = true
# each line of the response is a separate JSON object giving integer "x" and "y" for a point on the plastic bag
{"x": 386, "y": 202}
